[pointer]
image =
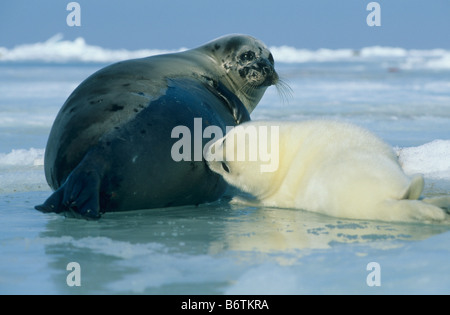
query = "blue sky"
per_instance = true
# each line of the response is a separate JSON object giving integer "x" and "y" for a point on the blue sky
{"x": 171, "y": 24}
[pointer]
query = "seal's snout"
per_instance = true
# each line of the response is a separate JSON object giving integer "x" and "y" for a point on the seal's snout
{"x": 268, "y": 71}
{"x": 261, "y": 72}
{"x": 265, "y": 67}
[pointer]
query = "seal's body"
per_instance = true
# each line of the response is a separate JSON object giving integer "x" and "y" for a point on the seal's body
{"x": 327, "y": 167}
{"x": 110, "y": 146}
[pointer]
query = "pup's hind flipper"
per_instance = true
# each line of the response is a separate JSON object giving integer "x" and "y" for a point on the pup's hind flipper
{"x": 410, "y": 210}
{"x": 415, "y": 190}
{"x": 442, "y": 202}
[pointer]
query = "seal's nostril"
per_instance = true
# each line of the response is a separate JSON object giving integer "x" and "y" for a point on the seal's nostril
{"x": 265, "y": 67}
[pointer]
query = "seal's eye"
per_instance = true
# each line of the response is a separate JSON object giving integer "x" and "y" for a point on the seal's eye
{"x": 271, "y": 59}
{"x": 247, "y": 56}
{"x": 225, "y": 167}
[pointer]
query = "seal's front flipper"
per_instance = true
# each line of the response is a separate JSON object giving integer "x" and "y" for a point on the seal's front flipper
{"x": 78, "y": 197}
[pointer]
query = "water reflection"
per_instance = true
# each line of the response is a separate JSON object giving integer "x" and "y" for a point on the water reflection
{"x": 273, "y": 230}
{"x": 166, "y": 250}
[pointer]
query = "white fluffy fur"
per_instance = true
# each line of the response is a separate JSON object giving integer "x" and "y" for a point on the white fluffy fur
{"x": 332, "y": 168}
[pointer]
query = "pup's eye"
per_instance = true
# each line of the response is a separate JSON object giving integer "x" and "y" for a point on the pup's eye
{"x": 225, "y": 167}
{"x": 247, "y": 56}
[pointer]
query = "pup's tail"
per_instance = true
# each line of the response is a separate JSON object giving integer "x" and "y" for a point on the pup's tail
{"x": 415, "y": 188}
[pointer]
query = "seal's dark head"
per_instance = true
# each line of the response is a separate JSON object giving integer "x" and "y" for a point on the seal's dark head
{"x": 251, "y": 59}
{"x": 257, "y": 71}
{"x": 248, "y": 66}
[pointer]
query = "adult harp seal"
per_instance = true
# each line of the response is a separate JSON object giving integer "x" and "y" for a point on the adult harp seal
{"x": 110, "y": 145}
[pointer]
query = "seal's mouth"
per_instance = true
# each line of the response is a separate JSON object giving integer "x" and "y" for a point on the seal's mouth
{"x": 259, "y": 73}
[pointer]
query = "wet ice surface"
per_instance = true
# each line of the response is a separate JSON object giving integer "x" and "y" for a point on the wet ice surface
{"x": 216, "y": 249}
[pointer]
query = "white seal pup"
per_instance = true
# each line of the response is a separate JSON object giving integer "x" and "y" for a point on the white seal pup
{"x": 328, "y": 167}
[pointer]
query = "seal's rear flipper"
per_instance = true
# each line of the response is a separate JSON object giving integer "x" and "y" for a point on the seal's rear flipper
{"x": 53, "y": 203}
{"x": 78, "y": 197}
